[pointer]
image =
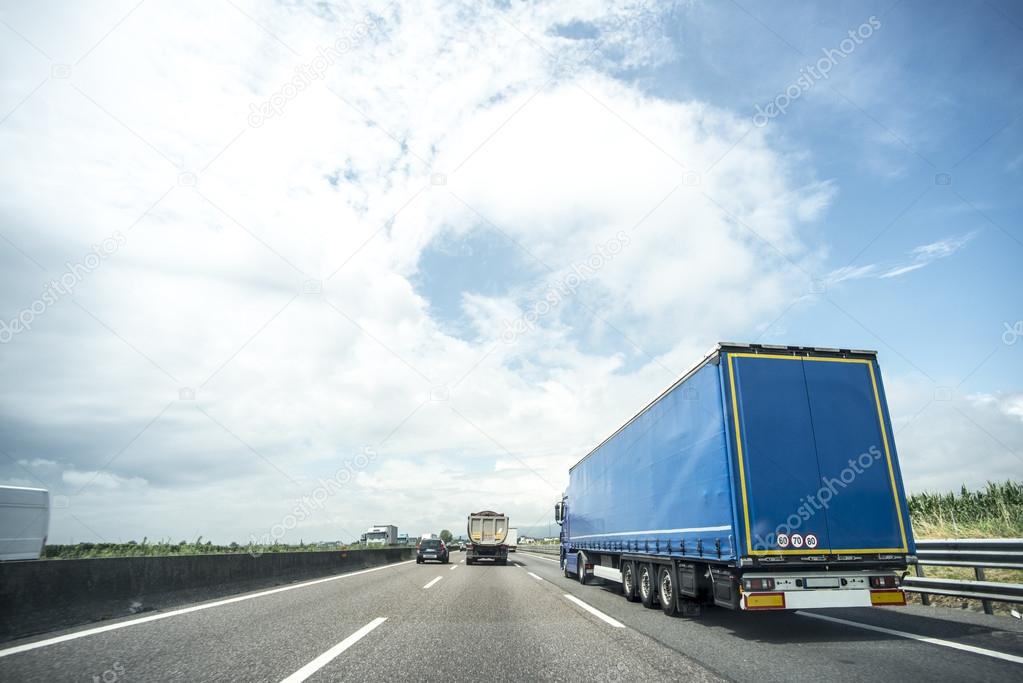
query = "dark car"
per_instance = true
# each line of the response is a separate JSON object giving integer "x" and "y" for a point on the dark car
{"x": 432, "y": 549}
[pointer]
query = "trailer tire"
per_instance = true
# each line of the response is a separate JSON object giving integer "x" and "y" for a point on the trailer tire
{"x": 667, "y": 591}
{"x": 629, "y": 581}
{"x": 581, "y": 566}
{"x": 647, "y": 585}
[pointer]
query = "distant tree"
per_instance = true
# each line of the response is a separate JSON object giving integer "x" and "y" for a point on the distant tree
{"x": 446, "y": 536}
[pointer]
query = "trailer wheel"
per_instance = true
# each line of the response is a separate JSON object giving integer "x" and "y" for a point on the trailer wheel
{"x": 629, "y": 581}
{"x": 647, "y": 585}
{"x": 666, "y": 591}
{"x": 581, "y": 567}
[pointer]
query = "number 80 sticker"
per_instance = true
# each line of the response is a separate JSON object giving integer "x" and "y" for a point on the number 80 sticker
{"x": 811, "y": 541}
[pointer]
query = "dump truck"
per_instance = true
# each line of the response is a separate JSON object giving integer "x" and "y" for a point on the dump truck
{"x": 488, "y": 532}
{"x": 766, "y": 478}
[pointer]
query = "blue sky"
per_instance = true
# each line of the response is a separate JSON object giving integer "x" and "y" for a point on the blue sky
{"x": 296, "y": 273}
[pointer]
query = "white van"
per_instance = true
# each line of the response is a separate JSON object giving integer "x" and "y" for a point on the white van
{"x": 24, "y": 522}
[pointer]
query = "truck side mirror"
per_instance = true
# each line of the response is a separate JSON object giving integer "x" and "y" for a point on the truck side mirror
{"x": 559, "y": 512}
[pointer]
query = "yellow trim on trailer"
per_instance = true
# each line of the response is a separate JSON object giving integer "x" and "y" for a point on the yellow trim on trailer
{"x": 738, "y": 442}
{"x": 884, "y": 440}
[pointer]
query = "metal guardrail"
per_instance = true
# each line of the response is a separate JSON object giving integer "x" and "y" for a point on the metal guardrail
{"x": 541, "y": 549}
{"x": 979, "y": 554}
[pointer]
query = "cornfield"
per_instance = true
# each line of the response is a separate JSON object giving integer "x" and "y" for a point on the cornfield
{"x": 992, "y": 512}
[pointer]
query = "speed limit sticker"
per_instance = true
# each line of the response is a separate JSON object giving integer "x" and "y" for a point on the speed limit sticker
{"x": 797, "y": 541}
{"x": 811, "y": 541}
{"x": 783, "y": 540}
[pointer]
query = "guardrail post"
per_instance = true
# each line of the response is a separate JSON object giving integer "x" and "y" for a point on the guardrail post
{"x": 925, "y": 599}
{"x": 988, "y": 607}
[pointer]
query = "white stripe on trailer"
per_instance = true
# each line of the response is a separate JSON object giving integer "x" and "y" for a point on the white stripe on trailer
{"x": 690, "y": 530}
{"x": 595, "y": 612}
{"x": 324, "y": 659}
{"x": 1016, "y": 659}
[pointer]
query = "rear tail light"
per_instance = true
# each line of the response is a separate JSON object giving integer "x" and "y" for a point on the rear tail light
{"x": 883, "y": 582}
{"x": 759, "y": 584}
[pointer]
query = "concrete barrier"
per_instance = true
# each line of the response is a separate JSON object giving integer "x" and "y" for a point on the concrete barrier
{"x": 44, "y": 595}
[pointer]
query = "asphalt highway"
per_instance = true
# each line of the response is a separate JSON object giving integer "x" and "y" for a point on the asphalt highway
{"x": 520, "y": 622}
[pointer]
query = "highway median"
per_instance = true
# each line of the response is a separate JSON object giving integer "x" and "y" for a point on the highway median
{"x": 45, "y": 595}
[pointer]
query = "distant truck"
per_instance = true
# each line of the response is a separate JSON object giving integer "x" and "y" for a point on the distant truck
{"x": 513, "y": 539}
{"x": 488, "y": 532}
{"x": 766, "y": 478}
{"x": 24, "y": 522}
{"x": 382, "y": 534}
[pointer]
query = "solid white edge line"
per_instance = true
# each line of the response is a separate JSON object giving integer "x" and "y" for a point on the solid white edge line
{"x": 324, "y": 659}
{"x": 541, "y": 557}
{"x": 432, "y": 582}
{"x": 538, "y": 578}
{"x": 595, "y": 612}
{"x": 185, "y": 610}
{"x": 924, "y": 639}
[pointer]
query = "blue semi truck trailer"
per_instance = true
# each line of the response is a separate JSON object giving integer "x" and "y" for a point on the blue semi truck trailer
{"x": 766, "y": 478}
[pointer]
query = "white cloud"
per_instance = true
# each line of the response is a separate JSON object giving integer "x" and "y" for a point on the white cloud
{"x": 101, "y": 480}
{"x": 205, "y": 293}
{"x": 919, "y": 257}
{"x": 946, "y": 440}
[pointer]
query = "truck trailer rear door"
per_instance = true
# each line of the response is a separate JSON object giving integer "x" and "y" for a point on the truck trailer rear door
{"x": 815, "y": 459}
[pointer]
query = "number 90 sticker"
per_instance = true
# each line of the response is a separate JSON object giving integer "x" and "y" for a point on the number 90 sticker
{"x": 797, "y": 541}
{"x": 811, "y": 541}
{"x": 783, "y": 540}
